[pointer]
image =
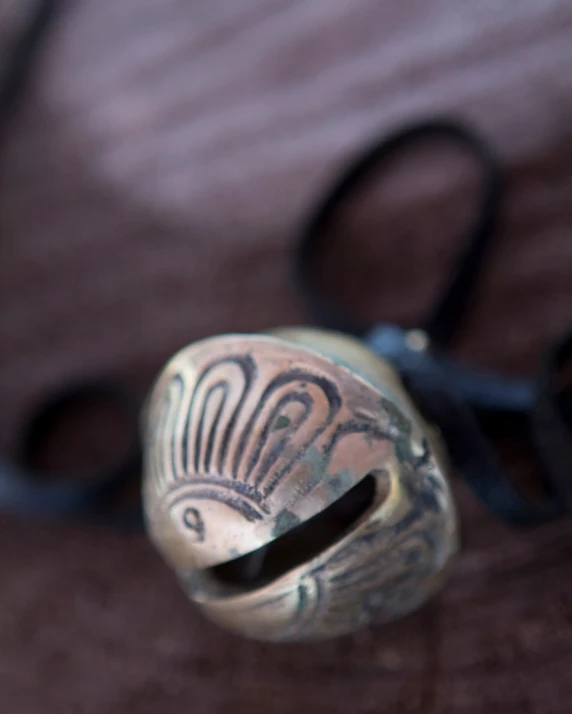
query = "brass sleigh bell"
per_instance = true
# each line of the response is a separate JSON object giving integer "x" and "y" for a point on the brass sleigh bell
{"x": 293, "y": 487}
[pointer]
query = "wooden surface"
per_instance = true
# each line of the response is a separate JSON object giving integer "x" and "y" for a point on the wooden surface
{"x": 149, "y": 195}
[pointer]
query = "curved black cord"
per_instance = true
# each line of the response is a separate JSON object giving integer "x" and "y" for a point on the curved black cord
{"x": 445, "y": 315}
{"x": 26, "y": 489}
{"x": 461, "y": 402}
{"x": 24, "y": 54}
{"x": 93, "y": 489}
{"x": 551, "y": 419}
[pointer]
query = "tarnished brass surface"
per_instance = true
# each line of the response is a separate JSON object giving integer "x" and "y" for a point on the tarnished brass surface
{"x": 293, "y": 487}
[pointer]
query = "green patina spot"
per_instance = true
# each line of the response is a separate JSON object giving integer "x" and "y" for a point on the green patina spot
{"x": 316, "y": 464}
{"x": 403, "y": 427}
{"x": 281, "y": 422}
{"x": 403, "y": 450}
{"x": 285, "y": 521}
{"x": 340, "y": 482}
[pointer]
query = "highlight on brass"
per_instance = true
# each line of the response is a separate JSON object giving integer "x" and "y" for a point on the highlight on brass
{"x": 293, "y": 487}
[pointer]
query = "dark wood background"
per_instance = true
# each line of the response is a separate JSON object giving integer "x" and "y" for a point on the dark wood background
{"x": 150, "y": 190}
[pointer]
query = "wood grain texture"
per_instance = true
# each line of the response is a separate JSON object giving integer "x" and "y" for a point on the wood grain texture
{"x": 149, "y": 196}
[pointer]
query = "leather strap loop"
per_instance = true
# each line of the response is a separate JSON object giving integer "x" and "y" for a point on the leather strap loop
{"x": 444, "y": 317}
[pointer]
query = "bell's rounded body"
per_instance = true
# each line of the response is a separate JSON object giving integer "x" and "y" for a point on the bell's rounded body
{"x": 293, "y": 487}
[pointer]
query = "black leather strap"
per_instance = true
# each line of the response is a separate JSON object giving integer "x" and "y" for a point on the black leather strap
{"x": 461, "y": 402}
{"x": 20, "y": 63}
{"x": 551, "y": 420}
{"x": 26, "y": 488}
